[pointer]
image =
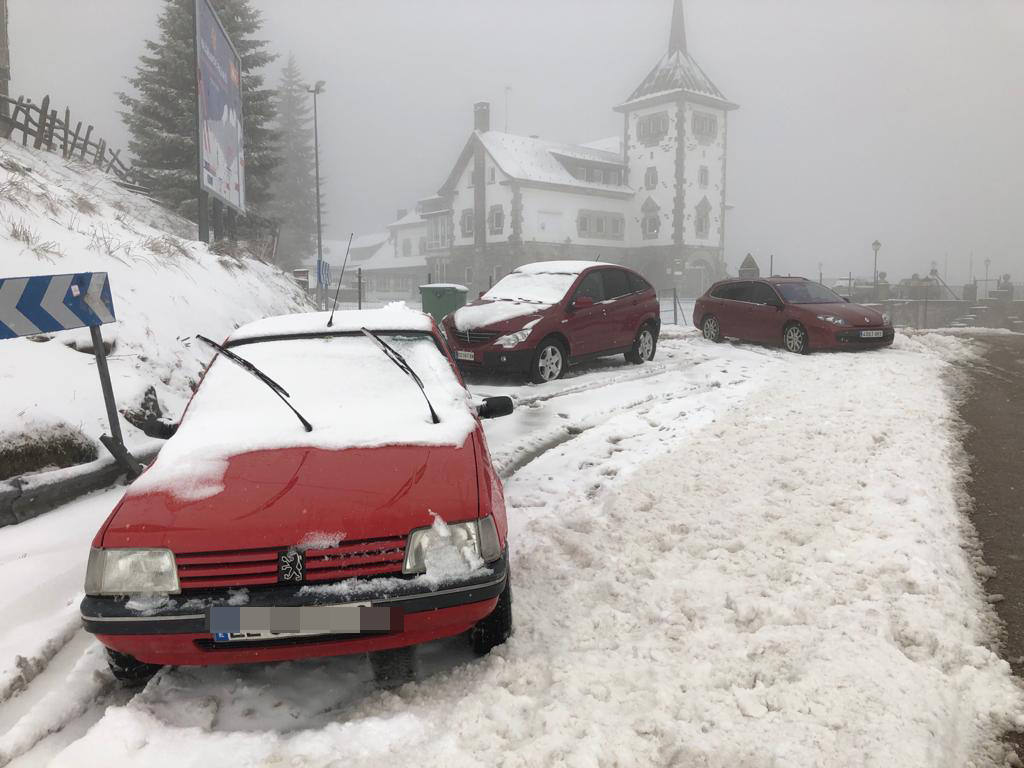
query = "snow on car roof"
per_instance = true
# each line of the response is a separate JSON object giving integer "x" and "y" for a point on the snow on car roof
{"x": 558, "y": 267}
{"x": 393, "y": 317}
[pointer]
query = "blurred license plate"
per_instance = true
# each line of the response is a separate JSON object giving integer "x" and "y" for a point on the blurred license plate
{"x": 231, "y": 625}
{"x": 462, "y": 355}
{"x": 871, "y": 334}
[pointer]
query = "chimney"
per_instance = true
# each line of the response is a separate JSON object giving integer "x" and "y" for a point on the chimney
{"x": 402, "y": 213}
{"x": 482, "y": 116}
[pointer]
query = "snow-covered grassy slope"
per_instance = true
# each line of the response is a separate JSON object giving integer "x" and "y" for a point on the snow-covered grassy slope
{"x": 58, "y": 217}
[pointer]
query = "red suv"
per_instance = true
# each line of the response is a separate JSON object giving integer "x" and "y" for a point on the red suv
{"x": 328, "y": 491}
{"x": 792, "y": 311}
{"x": 544, "y": 317}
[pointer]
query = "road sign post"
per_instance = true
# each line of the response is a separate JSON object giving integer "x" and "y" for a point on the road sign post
{"x": 50, "y": 303}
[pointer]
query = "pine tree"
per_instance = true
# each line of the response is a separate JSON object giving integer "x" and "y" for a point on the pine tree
{"x": 160, "y": 115}
{"x": 293, "y": 204}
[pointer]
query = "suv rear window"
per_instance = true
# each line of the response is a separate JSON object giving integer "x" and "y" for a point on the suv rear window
{"x": 616, "y": 283}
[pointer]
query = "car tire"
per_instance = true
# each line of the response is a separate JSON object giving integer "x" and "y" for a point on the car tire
{"x": 393, "y": 668}
{"x": 711, "y": 329}
{"x": 645, "y": 345}
{"x": 130, "y": 670}
{"x": 549, "y": 361}
{"x": 495, "y": 629}
{"x": 794, "y": 339}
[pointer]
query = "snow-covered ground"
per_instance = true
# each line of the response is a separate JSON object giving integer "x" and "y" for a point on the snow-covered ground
{"x": 732, "y": 556}
{"x": 57, "y": 218}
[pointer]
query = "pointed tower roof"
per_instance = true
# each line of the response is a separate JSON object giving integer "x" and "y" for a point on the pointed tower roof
{"x": 677, "y": 72}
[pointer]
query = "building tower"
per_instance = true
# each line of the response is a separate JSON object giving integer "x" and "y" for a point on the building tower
{"x": 675, "y": 149}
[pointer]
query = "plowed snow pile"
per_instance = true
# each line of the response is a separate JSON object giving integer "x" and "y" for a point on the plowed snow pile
{"x": 57, "y": 218}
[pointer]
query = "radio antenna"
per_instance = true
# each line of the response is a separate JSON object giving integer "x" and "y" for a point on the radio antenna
{"x": 330, "y": 320}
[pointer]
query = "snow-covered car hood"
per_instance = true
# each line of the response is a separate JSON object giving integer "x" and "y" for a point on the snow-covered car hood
{"x": 497, "y": 315}
{"x": 282, "y": 497}
{"x": 854, "y": 314}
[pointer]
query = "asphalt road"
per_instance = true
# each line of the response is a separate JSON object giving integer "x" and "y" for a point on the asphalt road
{"x": 994, "y": 413}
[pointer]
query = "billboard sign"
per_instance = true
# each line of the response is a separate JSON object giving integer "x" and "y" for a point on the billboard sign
{"x": 221, "y": 138}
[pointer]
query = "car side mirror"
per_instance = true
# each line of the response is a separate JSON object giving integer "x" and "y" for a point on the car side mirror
{"x": 159, "y": 428}
{"x": 494, "y": 407}
{"x": 846, "y": 299}
{"x": 582, "y": 302}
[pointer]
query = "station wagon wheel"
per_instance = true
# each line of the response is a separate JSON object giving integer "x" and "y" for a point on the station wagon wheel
{"x": 492, "y": 631}
{"x": 644, "y": 346}
{"x": 130, "y": 670}
{"x": 712, "y": 329}
{"x": 794, "y": 338}
{"x": 549, "y": 362}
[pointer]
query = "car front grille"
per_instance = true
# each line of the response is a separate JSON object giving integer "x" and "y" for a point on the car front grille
{"x": 258, "y": 567}
{"x": 475, "y": 337}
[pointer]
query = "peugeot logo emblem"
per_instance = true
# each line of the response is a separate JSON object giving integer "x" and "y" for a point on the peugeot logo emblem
{"x": 291, "y": 566}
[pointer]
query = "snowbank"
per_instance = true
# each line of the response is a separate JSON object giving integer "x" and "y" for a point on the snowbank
{"x": 57, "y": 217}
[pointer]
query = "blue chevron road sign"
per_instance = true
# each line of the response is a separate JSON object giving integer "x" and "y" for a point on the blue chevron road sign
{"x": 31, "y": 305}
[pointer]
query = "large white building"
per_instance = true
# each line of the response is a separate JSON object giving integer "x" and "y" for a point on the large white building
{"x": 654, "y": 198}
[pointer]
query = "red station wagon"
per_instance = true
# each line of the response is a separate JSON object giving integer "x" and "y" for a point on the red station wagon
{"x": 792, "y": 311}
{"x": 544, "y": 317}
{"x": 328, "y": 491}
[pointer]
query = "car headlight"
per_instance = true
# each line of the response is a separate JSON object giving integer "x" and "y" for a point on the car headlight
{"x": 886, "y": 318}
{"x": 131, "y": 572}
{"x": 514, "y": 339}
{"x": 834, "y": 319}
{"x": 475, "y": 540}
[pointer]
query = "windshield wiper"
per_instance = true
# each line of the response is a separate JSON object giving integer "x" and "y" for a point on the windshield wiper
{"x": 398, "y": 360}
{"x": 249, "y": 368}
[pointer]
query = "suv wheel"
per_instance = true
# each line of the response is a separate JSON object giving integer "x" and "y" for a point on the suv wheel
{"x": 549, "y": 362}
{"x": 494, "y": 630}
{"x": 644, "y": 346}
{"x": 794, "y": 338}
{"x": 130, "y": 670}
{"x": 711, "y": 329}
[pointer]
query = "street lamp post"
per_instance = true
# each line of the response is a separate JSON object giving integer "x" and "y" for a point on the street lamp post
{"x": 316, "y": 90}
{"x": 876, "y": 246}
{"x": 988, "y": 263}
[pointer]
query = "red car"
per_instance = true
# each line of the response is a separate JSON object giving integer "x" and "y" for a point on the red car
{"x": 792, "y": 311}
{"x": 328, "y": 491}
{"x": 544, "y": 317}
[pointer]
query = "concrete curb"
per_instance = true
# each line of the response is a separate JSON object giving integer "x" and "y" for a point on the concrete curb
{"x": 28, "y": 496}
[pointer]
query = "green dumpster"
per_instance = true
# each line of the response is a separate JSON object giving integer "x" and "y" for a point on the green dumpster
{"x": 440, "y": 299}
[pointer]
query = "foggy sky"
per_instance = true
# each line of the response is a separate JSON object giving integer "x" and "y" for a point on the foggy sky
{"x": 899, "y": 120}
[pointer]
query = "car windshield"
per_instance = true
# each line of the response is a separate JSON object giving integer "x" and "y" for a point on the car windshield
{"x": 808, "y": 293}
{"x": 540, "y": 288}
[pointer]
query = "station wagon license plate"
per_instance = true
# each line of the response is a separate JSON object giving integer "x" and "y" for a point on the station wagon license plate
{"x": 229, "y": 624}
{"x": 871, "y": 334}
{"x": 463, "y": 355}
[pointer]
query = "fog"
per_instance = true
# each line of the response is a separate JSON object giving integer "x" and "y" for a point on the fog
{"x": 897, "y": 120}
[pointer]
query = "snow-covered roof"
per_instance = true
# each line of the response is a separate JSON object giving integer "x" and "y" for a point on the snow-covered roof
{"x": 411, "y": 218}
{"x": 612, "y": 144}
{"x": 558, "y": 267}
{"x": 384, "y": 258}
{"x": 535, "y": 160}
{"x": 394, "y": 317}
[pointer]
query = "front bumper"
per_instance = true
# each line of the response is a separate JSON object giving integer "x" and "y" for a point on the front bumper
{"x": 495, "y": 359}
{"x": 179, "y": 632}
{"x": 849, "y": 338}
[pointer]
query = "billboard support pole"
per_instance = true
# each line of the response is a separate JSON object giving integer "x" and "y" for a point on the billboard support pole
{"x": 218, "y": 219}
{"x": 201, "y": 200}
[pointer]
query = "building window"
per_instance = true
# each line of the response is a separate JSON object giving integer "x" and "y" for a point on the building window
{"x": 599, "y": 226}
{"x": 702, "y": 220}
{"x": 580, "y": 172}
{"x": 618, "y": 224}
{"x": 650, "y": 129}
{"x": 469, "y": 276}
{"x": 496, "y": 219}
{"x": 407, "y": 247}
{"x": 614, "y": 177}
{"x": 651, "y": 225}
{"x": 651, "y": 178}
{"x": 490, "y": 175}
{"x": 438, "y": 232}
{"x": 583, "y": 224}
{"x": 466, "y": 222}
{"x": 705, "y": 126}
{"x": 422, "y": 245}
{"x": 597, "y": 175}
{"x": 702, "y": 177}
{"x": 472, "y": 175}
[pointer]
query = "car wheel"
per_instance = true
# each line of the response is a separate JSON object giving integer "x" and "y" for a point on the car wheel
{"x": 130, "y": 670}
{"x": 495, "y": 629}
{"x": 712, "y": 329}
{"x": 794, "y": 339}
{"x": 644, "y": 346}
{"x": 549, "y": 362}
{"x": 393, "y": 668}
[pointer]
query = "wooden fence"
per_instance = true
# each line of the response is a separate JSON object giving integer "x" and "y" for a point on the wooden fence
{"x": 46, "y": 129}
